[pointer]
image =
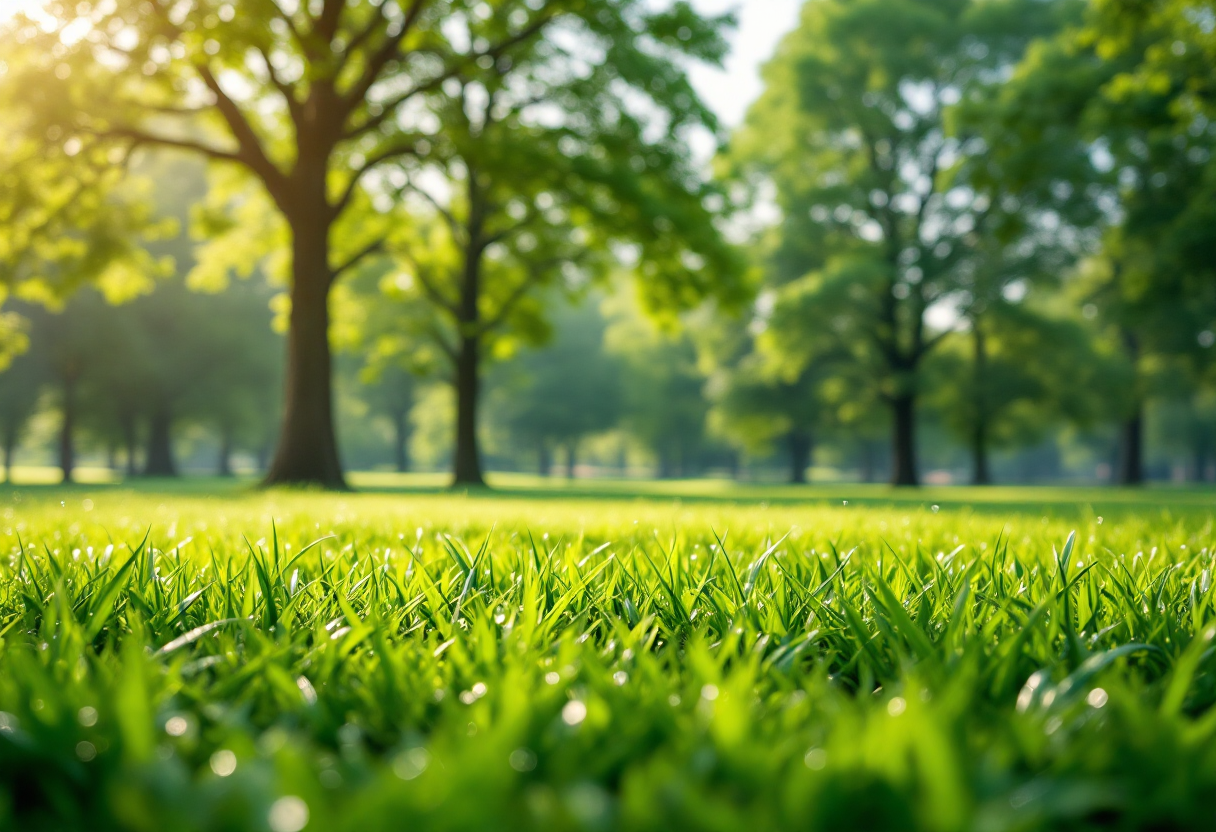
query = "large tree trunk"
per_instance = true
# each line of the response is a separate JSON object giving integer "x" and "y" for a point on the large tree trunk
{"x": 401, "y": 439}
{"x": 903, "y": 440}
{"x": 67, "y": 431}
{"x": 307, "y": 452}
{"x": 801, "y": 449}
{"x": 979, "y": 431}
{"x": 159, "y": 459}
{"x": 467, "y": 469}
{"x": 544, "y": 463}
{"x": 1131, "y": 448}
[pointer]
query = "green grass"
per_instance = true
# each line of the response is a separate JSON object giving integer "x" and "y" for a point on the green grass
{"x": 605, "y": 656}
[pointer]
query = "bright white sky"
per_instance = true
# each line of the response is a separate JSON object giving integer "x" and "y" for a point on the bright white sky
{"x": 762, "y": 23}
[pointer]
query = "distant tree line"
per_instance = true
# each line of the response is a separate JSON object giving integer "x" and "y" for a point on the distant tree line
{"x": 448, "y": 229}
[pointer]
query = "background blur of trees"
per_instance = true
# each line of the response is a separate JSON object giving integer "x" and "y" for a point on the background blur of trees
{"x": 980, "y": 247}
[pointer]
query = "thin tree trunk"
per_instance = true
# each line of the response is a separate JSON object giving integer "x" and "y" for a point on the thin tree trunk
{"x": 67, "y": 431}
{"x": 401, "y": 438}
{"x": 131, "y": 440}
{"x": 571, "y": 459}
{"x": 223, "y": 465}
{"x": 666, "y": 467}
{"x": 1201, "y": 446}
{"x": 10, "y": 448}
{"x": 979, "y": 434}
{"x": 543, "y": 462}
{"x": 1130, "y": 469}
{"x": 903, "y": 440}
{"x": 159, "y": 459}
{"x": 467, "y": 464}
{"x": 467, "y": 468}
{"x": 800, "y": 455}
{"x": 867, "y": 461}
{"x": 1131, "y": 448}
{"x": 307, "y": 452}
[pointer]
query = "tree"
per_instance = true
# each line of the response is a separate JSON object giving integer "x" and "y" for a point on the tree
{"x": 307, "y": 102}
{"x": 757, "y": 411}
{"x": 564, "y": 392}
{"x": 1018, "y": 372}
{"x": 392, "y": 391}
{"x": 663, "y": 399}
{"x": 22, "y": 384}
{"x": 1121, "y": 97}
{"x": 852, "y": 130}
{"x": 550, "y": 170}
{"x": 65, "y": 340}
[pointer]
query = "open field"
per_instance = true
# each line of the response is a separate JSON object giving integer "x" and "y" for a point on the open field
{"x": 605, "y": 656}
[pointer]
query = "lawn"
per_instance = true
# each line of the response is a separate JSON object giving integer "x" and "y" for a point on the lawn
{"x": 602, "y": 655}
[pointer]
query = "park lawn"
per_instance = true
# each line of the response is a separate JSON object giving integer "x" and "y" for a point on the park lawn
{"x": 605, "y": 655}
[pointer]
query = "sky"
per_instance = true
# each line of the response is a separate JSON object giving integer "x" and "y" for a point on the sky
{"x": 762, "y": 24}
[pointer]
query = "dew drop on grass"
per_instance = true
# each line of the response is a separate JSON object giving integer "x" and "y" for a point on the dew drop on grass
{"x": 288, "y": 814}
{"x": 409, "y": 764}
{"x": 86, "y": 751}
{"x": 176, "y": 726}
{"x": 897, "y": 706}
{"x": 522, "y": 759}
{"x": 816, "y": 759}
{"x": 1097, "y": 698}
{"x": 87, "y": 716}
{"x": 223, "y": 762}
{"x": 936, "y": 509}
{"x": 552, "y": 677}
{"x": 574, "y": 712}
{"x": 620, "y": 677}
{"x": 709, "y": 693}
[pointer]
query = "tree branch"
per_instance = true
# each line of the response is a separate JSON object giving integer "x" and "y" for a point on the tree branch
{"x": 444, "y": 212}
{"x": 391, "y": 106}
{"x": 371, "y": 162}
{"x": 140, "y": 137}
{"x": 517, "y": 294}
{"x": 374, "y": 247}
{"x": 381, "y": 58}
{"x": 432, "y": 291}
{"x": 251, "y": 152}
{"x": 365, "y": 33}
{"x": 286, "y": 90}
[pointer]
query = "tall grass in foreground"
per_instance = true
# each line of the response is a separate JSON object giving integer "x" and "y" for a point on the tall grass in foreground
{"x": 525, "y": 681}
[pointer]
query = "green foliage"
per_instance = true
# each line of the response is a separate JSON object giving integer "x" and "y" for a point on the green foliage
{"x": 879, "y": 223}
{"x": 881, "y": 668}
{"x": 561, "y": 394}
{"x": 1037, "y": 369}
{"x": 665, "y": 408}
